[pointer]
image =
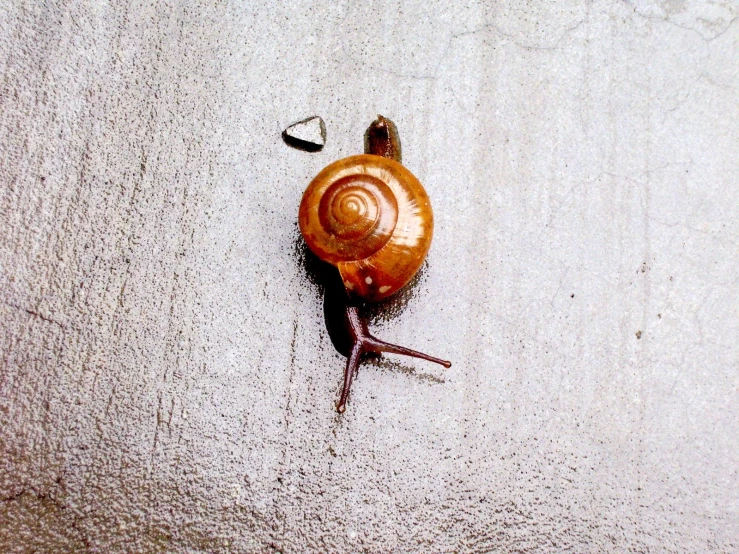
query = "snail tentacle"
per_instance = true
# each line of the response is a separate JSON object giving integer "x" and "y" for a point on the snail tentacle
{"x": 352, "y": 365}
{"x": 373, "y": 344}
{"x": 363, "y": 341}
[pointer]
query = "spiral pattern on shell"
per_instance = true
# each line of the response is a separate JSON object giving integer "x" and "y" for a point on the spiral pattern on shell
{"x": 358, "y": 214}
{"x": 371, "y": 218}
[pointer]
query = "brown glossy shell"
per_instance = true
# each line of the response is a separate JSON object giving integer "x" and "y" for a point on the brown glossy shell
{"x": 371, "y": 218}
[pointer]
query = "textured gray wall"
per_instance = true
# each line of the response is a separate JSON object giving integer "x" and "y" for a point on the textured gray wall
{"x": 166, "y": 380}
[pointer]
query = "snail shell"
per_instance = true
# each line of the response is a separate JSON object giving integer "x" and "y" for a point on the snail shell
{"x": 371, "y": 218}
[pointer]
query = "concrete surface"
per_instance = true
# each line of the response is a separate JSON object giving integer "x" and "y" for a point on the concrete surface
{"x": 167, "y": 383}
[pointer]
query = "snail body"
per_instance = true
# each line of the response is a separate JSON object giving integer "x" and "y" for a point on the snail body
{"x": 371, "y": 218}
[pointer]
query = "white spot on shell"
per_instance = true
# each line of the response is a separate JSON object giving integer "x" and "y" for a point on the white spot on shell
{"x": 349, "y": 286}
{"x": 368, "y": 280}
{"x": 384, "y": 289}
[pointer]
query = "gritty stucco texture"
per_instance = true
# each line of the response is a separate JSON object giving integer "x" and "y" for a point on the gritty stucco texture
{"x": 167, "y": 383}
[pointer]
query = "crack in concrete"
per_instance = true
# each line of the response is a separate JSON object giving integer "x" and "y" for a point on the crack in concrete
{"x": 434, "y": 75}
{"x": 37, "y": 315}
{"x": 667, "y": 20}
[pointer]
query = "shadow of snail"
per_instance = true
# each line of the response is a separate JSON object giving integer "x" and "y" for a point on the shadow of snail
{"x": 368, "y": 221}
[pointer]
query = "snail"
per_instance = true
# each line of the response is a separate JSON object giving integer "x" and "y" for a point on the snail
{"x": 370, "y": 217}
